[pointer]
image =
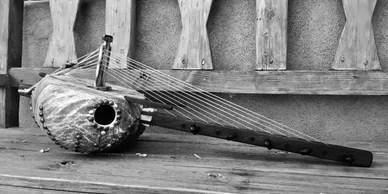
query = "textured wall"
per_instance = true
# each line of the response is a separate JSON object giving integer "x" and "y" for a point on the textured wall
{"x": 314, "y": 29}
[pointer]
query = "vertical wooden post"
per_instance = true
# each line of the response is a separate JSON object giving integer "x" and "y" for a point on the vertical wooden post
{"x": 120, "y": 18}
{"x": 357, "y": 48}
{"x": 271, "y": 34}
{"x": 194, "y": 47}
{"x": 11, "y": 32}
{"x": 62, "y": 46}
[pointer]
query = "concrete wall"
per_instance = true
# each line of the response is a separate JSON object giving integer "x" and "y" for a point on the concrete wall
{"x": 314, "y": 29}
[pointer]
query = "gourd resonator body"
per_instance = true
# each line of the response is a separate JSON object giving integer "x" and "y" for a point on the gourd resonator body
{"x": 76, "y": 116}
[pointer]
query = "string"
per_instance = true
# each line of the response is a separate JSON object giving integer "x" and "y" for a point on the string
{"x": 83, "y": 59}
{"x": 231, "y": 104}
{"x": 203, "y": 110}
{"x": 133, "y": 80}
{"x": 233, "y": 119}
{"x": 163, "y": 96}
{"x": 121, "y": 74}
{"x": 266, "y": 126}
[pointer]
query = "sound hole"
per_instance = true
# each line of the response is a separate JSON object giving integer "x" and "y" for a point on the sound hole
{"x": 104, "y": 115}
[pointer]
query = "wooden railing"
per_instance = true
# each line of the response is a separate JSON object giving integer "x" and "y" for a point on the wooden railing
{"x": 351, "y": 73}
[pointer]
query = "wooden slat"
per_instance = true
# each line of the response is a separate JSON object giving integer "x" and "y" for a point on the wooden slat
{"x": 271, "y": 34}
{"x": 259, "y": 82}
{"x": 120, "y": 17}
{"x": 62, "y": 45}
{"x": 171, "y": 167}
{"x": 11, "y": 32}
{"x": 357, "y": 48}
{"x": 194, "y": 47}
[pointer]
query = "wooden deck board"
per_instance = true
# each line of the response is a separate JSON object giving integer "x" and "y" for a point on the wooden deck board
{"x": 171, "y": 167}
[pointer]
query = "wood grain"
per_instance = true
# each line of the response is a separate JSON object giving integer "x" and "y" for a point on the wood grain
{"x": 259, "y": 82}
{"x": 271, "y": 34}
{"x": 11, "y": 36}
{"x": 62, "y": 45}
{"x": 357, "y": 47}
{"x": 171, "y": 167}
{"x": 194, "y": 48}
{"x": 120, "y": 18}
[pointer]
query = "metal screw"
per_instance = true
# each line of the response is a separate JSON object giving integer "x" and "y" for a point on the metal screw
{"x": 366, "y": 62}
{"x": 268, "y": 144}
{"x": 203, "y": 61}
{"x": 305, "y": 151}
{"x": 232, "y": 136}
{"x": 342, "y": 59}
{"x": 194, "y": 129}
{"x": 349, "y": 158}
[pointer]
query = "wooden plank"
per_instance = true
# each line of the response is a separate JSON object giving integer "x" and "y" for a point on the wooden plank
{"x": 259, "y": 82}
{"x": 120, "y": 18}
{"x": 357, "y": 47}
{"x": 62, "y": 45}
{"x": 171, "y": 167}
{"x": 11, "y": 32}
{"x": 194, "y": 47}
{"x": 271, "y": 34}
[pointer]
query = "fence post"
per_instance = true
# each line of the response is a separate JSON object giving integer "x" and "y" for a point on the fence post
{"x": 11, "y": 32}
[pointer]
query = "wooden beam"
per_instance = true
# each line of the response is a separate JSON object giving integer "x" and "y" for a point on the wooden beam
{"x": 271, "y": 34}
{"x": 259, "y": 82}
{"x": 120, "y": 16}
{"x": 357, "y": 48}
{"x": 194, "y": 47}
{"x": 62, "y": 45}
{"x": 11, "y": 32}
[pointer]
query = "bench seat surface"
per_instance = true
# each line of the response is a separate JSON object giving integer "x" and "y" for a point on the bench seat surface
{"x": 179, "y": 163}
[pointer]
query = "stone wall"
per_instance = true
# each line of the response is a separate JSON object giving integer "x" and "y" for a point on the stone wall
{"x": 314, "y": 27}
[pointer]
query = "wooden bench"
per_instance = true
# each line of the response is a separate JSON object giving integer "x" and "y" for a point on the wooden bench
{"x": 179, "y": 163}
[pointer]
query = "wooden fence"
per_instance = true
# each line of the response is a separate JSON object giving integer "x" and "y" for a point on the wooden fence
{"x": 355, "y": 69}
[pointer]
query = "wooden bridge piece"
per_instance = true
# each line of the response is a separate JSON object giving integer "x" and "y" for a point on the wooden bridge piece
{"x": 11, "y": 36}
{"x": 194, "y": 47}
{"x": 120, "y": 18}
{"x": 357, "y": 48}
{"x": 62, "y": 45}
{"x": 271, "y": 34}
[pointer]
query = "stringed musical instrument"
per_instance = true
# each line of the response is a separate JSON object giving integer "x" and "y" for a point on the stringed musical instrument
{"x": 91, "y": 116}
